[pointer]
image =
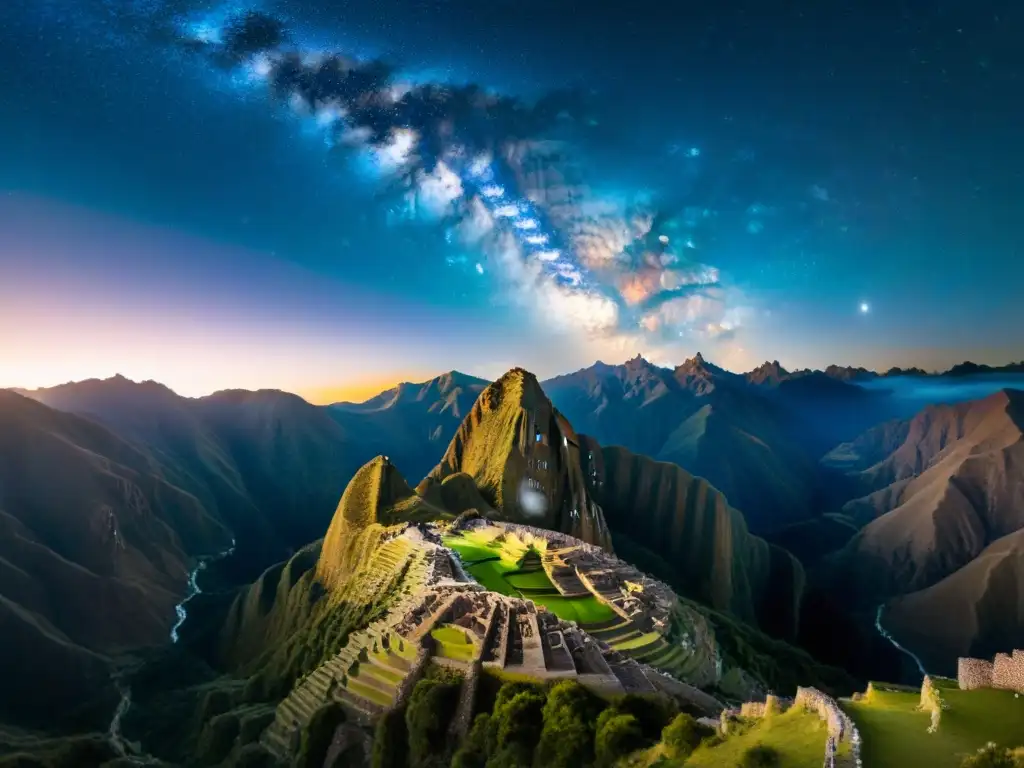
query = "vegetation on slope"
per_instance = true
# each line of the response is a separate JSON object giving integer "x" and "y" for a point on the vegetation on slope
{"x": 295, "y": 617}
{"x": 497, "y": 445}
{"x": 688, "y": 523}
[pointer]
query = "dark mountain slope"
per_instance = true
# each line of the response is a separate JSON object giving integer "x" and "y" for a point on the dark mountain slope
{"x": 412, "y": 423}
{"x": 267, "y": 464}
{"x": 94, "y": 546}
{"x": 689, "y": 524}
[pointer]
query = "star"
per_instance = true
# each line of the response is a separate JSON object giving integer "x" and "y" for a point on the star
{"x": 864, "y": 307}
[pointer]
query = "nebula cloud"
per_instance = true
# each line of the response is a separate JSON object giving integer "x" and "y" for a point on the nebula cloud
{"x": 484, "y": 164}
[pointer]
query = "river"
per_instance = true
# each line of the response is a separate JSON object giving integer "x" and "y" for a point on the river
{"x": 121, "y": 745}
{"x": 885, "y": 633}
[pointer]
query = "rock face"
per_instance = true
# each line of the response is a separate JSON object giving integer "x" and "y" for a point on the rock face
{"x": 689, "y": 523}
{"x": 942, "y": 527}
{"x": 524, "y": 458}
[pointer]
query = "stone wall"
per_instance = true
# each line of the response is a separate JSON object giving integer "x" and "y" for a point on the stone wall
{"x": 1006, "y": 671}
{"x": 463, "y": 719}
{"x": 423, "y": 657}
{"x": 840, "y": 726}
{"x": 772, "y": 705}
{"x": 973, "y": 673}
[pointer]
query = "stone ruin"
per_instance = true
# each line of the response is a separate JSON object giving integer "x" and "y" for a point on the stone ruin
{"x": 1005, "y": 671}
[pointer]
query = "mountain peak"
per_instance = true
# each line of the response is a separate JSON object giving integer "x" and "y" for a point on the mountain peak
{"x": 369, "y": 498}
{"x": 697, "y": 374}
{"x": 769, "y": 372}
{"x": 523, "y": 456}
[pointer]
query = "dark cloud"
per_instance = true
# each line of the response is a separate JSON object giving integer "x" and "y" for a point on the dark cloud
{"x": 251, "y": 33}
{"x": 443, "y": 117}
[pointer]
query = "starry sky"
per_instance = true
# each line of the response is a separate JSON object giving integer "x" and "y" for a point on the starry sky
{"x": 813, "y": 182}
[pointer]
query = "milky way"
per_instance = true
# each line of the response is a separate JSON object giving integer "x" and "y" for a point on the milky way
{"x": 483, "y": 164}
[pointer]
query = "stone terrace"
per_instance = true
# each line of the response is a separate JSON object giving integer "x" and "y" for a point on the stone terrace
{"x": 379, "y": 665}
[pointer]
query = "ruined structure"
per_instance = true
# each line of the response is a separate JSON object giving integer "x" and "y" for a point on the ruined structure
{"x": 443, "y": 617}
{"x": 1005, "y": 671}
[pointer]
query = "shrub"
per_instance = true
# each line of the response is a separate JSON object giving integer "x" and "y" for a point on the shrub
{"x": 759, "y": 756}
{"x": 318, "y": 734}
{"x": 652, "y": 713}
{"x": 473, "y": 751}
{"x": 618, "y": 735}
{"x": 990, "y": 756}
{"x": 515, "y": 729}
{"x": 683, "y": 735}
{"x": 567, "y": 738}
{"x": 430, "y": 709}
{"x": 390, "y": 741}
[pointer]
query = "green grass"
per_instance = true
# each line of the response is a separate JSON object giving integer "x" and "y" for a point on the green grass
{"x": 454, "y": 643}
{"x": 502, "y": 575}
{"x": 798, "y": 736}
{"x": 385, "y": 675}
{"x": 369, "y": 692}
{"x": 639, "y": 641}
{"x": 582, "y": 610}
{"x": 894, "y": 733}
{"x": 531, "y": 581}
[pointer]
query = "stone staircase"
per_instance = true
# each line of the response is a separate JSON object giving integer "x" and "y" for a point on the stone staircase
{"x": 366, "y": 674}
{"x": 364, "y": 677}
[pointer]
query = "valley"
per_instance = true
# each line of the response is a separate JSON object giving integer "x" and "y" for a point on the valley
{"x": 502, "y": 568}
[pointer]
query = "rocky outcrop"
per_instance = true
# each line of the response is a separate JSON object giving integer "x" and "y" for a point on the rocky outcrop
{"x": 524, "y": 459}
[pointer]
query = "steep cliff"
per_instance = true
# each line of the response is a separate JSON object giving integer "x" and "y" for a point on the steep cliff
{"x": 524, "y": 458}
{"x": 691, "y": 526}
{"x": 376, "y": 497}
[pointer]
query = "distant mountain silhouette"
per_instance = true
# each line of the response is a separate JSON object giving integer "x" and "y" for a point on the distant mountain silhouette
{"x": 412, "y": 423}
{"x": 266, "y": 464}
{"x": 756, "y": 437}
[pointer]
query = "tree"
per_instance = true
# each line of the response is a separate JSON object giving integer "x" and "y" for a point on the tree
{"x": 473, "y": 753}
{"x": 567, "y": 738}
{"x": 515, "y": 729}
{"x": 990, "y": 756}
{"x": 430, "y": 709}
{"x": 682, "y": 736}
{"x": 390, "y": 741}
{"x": 618, "y": 735}
{"x": 652, "y": 713}
{"x": 759, "y": 756}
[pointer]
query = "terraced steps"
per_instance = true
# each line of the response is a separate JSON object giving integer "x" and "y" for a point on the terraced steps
{"x": 366, "y": 674}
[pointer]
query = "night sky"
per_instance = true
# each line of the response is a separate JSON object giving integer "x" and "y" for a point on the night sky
{"x": 814, "y": 182}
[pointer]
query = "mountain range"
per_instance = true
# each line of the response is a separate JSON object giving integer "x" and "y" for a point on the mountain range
{"x": 110, "y": 490}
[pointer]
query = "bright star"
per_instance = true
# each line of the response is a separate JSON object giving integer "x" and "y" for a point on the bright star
{"x": 864, "y": 308}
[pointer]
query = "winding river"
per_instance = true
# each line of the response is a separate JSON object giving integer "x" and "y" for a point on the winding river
{"x": 885, "y": 633}
{"x": 114, "y": 734}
